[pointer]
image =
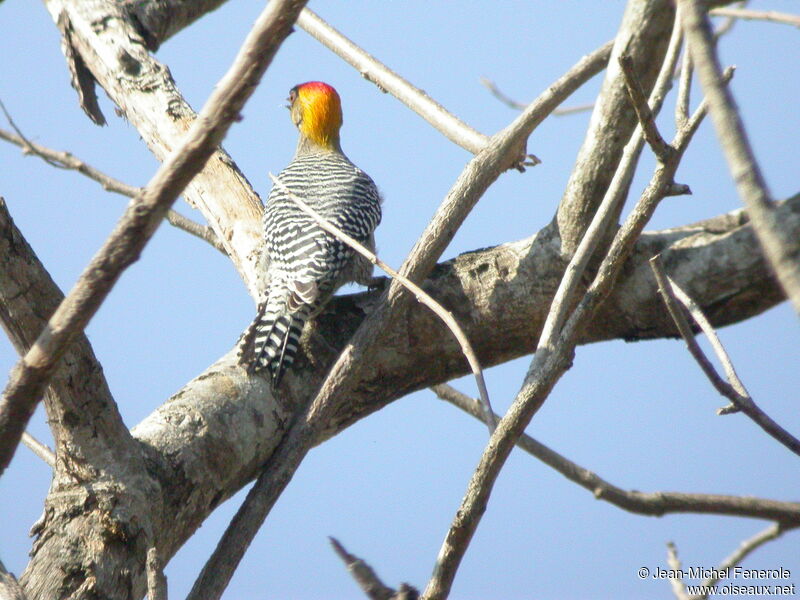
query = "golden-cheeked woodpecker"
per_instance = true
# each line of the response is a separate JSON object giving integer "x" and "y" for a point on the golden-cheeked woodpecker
{"x": 306, "y": 265}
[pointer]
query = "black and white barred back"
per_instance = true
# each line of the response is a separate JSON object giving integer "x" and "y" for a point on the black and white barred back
{"x": 306, "y": 264}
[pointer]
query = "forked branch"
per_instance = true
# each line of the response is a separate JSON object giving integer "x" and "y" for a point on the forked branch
{"x": 733, "y": 389}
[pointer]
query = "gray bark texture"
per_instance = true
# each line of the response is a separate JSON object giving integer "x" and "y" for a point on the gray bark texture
{"x": 116, "y": 493}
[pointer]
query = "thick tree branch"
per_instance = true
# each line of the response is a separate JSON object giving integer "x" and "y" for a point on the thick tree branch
{"x": 126, "y": 561}
{"x": 643, "y": 34}
{"x": 492, "y": 293}
{"x": 115, "y": 51}
{"x": 28, "y": 296}
{"x": 781, "y": 249}
{"x": 654, "y": 504}
{"x": 9, "y": 587}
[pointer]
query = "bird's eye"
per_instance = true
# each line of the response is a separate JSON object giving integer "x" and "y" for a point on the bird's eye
{"x": 292, "y": 95}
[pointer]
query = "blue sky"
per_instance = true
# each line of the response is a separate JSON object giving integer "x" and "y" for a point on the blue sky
{"x": 640, "y": 415}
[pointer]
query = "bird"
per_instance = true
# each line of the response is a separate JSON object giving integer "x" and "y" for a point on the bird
{"x": 305, "y": 264}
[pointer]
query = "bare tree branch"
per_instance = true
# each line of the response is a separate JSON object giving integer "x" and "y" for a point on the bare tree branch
{"x": 28, "y": 296}
{"x": 420, "y": 294}
{"x": 66, "y": 160}
{"x": 676, "y": 581}
{"x": 511, "y": 103}
{"x": 368, "y": 580}
{"x": 156, "y": 580}
{"x": 387, "y": 80}
{"x": 614, "y": 196}
{"x": 39, "y": 449}
{"x": 782, "y": 251}
{"x": 684, "y": 90}
{"x": 654, "y": 504}
{"x": 643, "y": 34}
{"x": 146, "y": 96}
{"x": 644, "y": 114}
{"x": 140, "y": 221}
{"x": 744, "y": 550}
{"x": 757, "y": 15}
{"x": 734, "y": 389}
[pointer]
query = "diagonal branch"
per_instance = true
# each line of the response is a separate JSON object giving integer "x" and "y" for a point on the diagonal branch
{"x": 644, "y": 114}
{"x": 745, "y": 549}
{"x": 28, "y": 296}
{"x": 387, "y": 80}
{"x": 420, "y": 294}
{"x": 106, "y": 34}
{"x": 643, "y": 34}
{"x": 368, "y": 580}
{"x": 9, "y": 586}
{"x": 139, "y": 223}
{"x": 511, "y": 103}
{"x": 654, "y": 504}
{"x": 66, "y": 160}
{"x": 734, "y": 390}
{"x": 781, "y": 249}
{"x": 39, "y": 449}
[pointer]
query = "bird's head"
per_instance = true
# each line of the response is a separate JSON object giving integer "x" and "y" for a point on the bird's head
{"x": 317, "y": 112}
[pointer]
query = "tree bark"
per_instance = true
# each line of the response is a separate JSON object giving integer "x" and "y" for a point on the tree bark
{"x": 212, "y": 437}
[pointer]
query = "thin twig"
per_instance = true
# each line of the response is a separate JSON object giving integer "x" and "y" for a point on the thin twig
{"x": 647, "y": 121}
{"x": 779, "y": 247}
{"x": 39, "y": 449}
{"x": 734, "y": 390}
{"x": 744, "y": 550}
{"x": 675, "y": 579}
{"x": 421, "y": 295}
{"x": 510, "y": 102}
{"x": 654, "y": 504}
{"x": 140, "y": 221}
{"x": 684, "y": 90}
{"x": 156, "y": 580}
{"x": 475, "y": 179}
{"x": 367, "y": 579}
{"x": 757, "y": 15}
{"x": 727, "y": 25}
{"x": 66, "y": 160}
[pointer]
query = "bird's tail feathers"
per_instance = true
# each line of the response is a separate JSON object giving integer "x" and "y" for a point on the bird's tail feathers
{"x": 271, "y": 341}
